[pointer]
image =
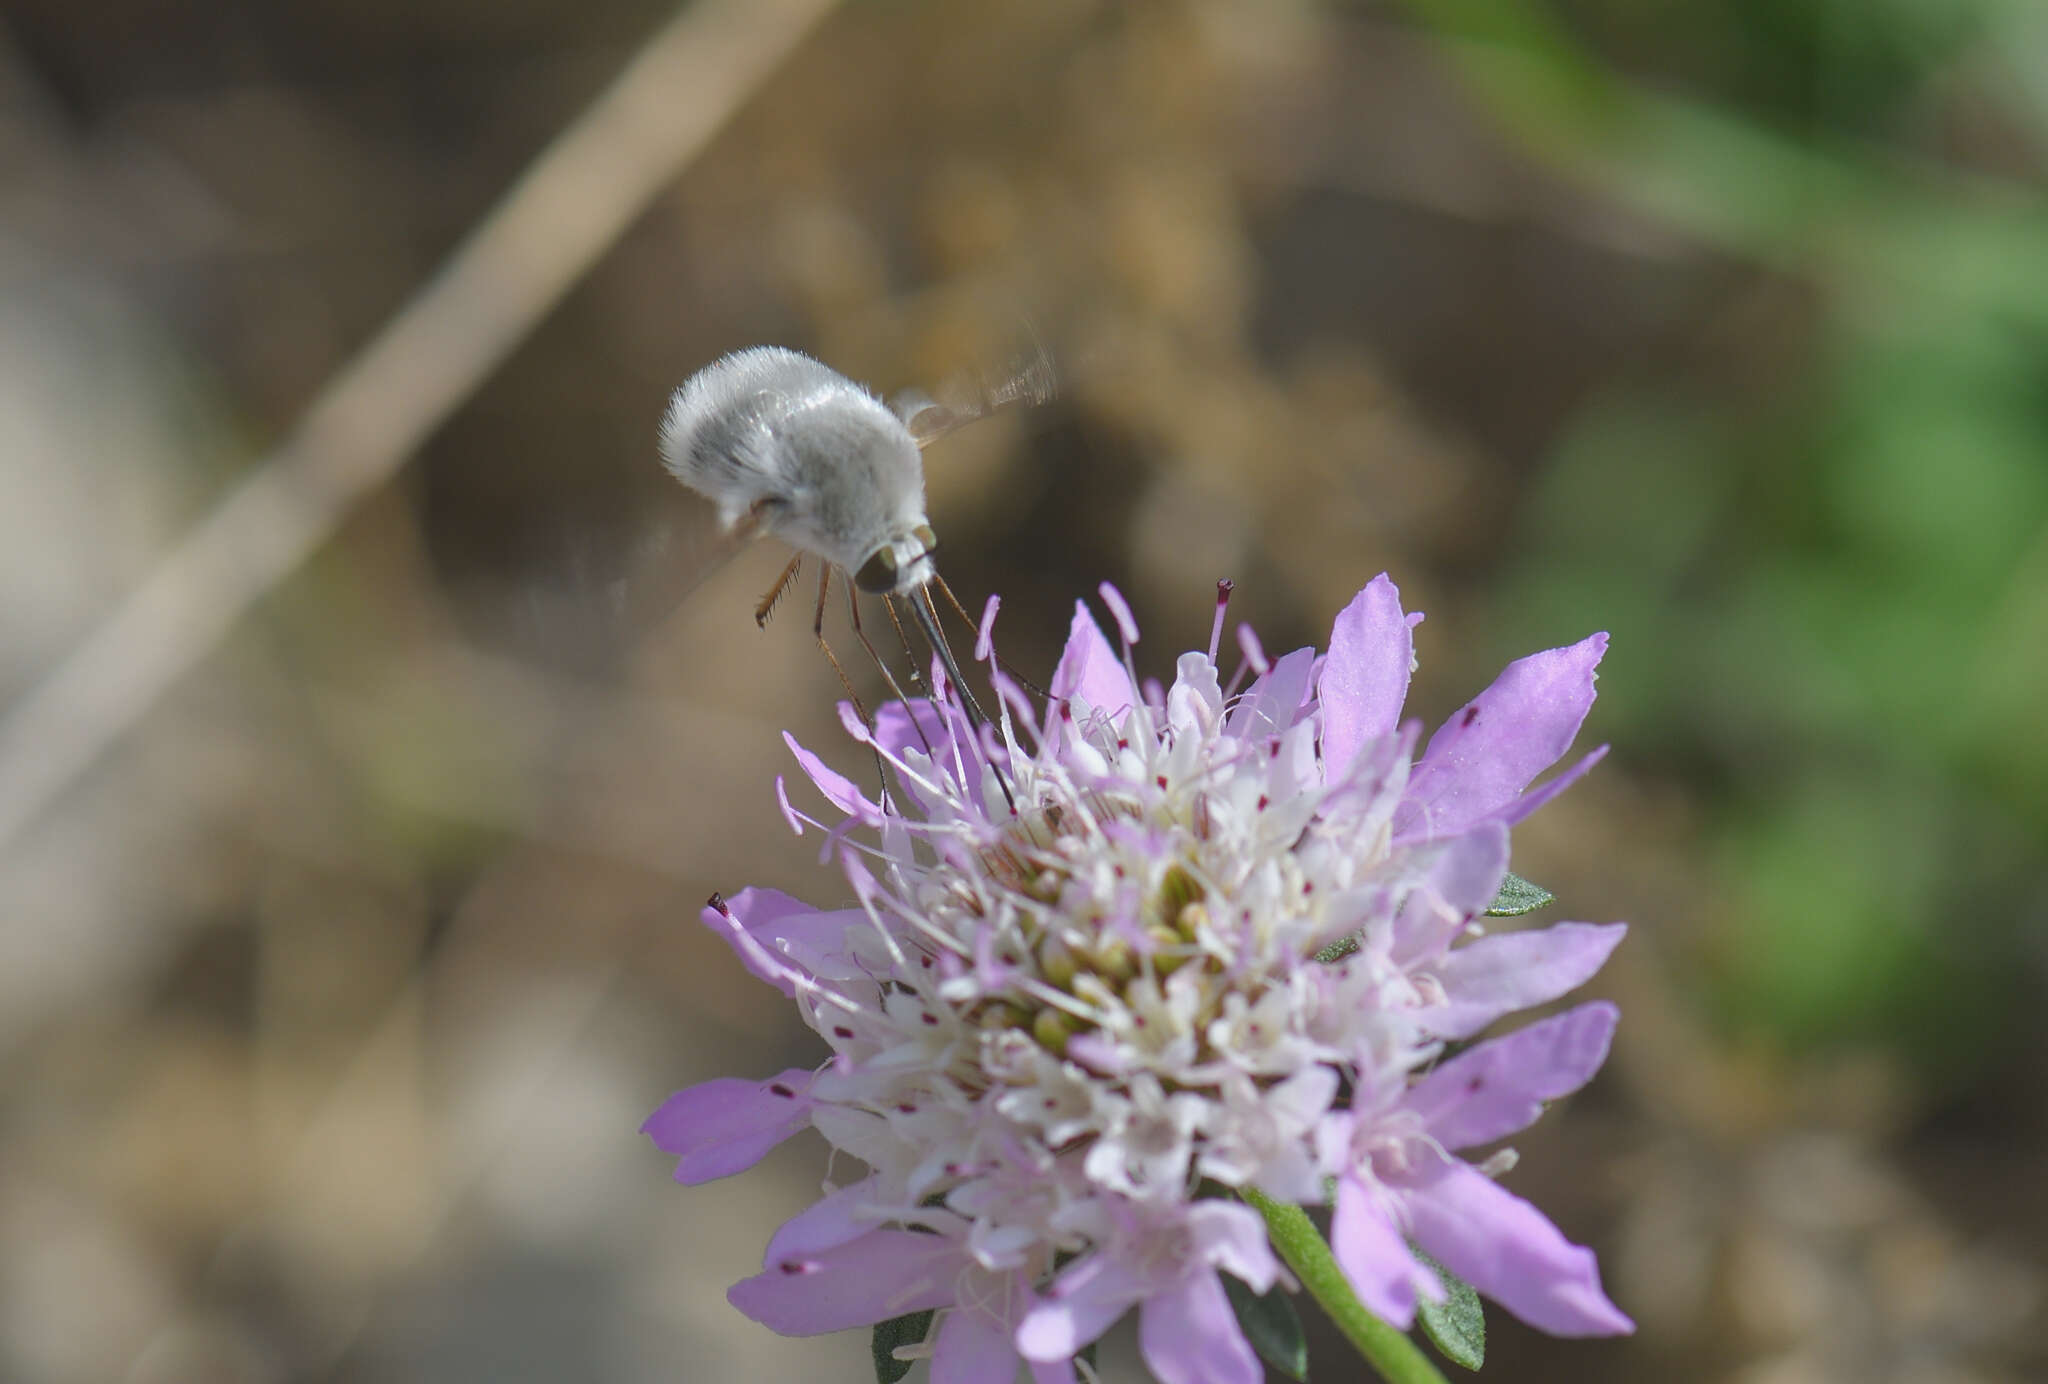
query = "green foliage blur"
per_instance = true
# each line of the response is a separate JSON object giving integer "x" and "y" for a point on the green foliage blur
{"x": 1825, "y": 563}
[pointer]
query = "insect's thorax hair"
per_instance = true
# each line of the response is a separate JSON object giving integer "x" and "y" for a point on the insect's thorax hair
{"x": 839, "y": 472}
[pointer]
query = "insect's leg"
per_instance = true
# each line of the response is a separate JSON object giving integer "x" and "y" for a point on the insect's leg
{"x": 853, "y": 611}
{"x": 968, "y": 620}
{"x": 774, "y": 597}
{"x": 818, "y": 631}
{"x": 903, "y": 638}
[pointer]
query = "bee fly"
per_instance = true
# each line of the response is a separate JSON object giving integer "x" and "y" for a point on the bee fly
{"x": 782, "y": 444}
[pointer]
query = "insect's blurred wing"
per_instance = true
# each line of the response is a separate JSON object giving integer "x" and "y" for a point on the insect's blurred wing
{"x": 1028, "y": 380}
{"x": 689, "y": 547}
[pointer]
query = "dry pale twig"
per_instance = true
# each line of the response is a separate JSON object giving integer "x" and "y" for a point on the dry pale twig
{"x": 569, "y": 207}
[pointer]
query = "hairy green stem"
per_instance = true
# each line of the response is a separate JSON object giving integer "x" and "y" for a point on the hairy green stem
{"x": 1398, "y": 1359}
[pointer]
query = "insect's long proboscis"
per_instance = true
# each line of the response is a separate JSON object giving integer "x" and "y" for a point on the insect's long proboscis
{"x": 926, "y": 615}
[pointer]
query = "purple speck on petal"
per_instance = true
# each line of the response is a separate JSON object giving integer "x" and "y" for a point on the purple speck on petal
{"x": 1365, "y": 676}
{"x": 984, "y": 635}
{"x": 1489, "y": 752}
{"x": 1499, "y": 1088}
{"x": 883, "y": 1274}
{"x": 1189, "y": 1335}
{"x": 1508, "y": 1250}
{"x": 1493, "y": 976}
{"x": 727, "y": 1125}
{"x": 1120, "y": 610}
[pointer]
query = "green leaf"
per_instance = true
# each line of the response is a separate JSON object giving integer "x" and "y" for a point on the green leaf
{"x": 1271, "y": 1325}
{"x": 906, "y": 1330}
{"x": 1517, "y": 896}
{"x": 1337, "y": 950}
{"x": 1457, "y": 1325}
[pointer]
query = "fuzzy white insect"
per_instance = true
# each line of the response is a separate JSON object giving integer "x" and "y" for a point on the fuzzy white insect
{"x": 782, "y": 444}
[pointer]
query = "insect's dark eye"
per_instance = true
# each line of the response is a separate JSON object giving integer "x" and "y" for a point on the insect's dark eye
{"x": 927, "y": 540}
{"x": 878, "y": 573}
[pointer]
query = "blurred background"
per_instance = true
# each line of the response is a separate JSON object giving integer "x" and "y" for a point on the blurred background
{"x": 349, "y": 881}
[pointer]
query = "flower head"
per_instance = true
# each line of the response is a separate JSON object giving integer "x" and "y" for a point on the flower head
{"x": 1117, "y": 955}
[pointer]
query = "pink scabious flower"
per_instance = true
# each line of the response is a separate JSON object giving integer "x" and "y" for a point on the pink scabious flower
{"x": 1112, "y": 957}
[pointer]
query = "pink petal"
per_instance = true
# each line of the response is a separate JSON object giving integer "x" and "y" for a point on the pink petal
{"x": 1051, "y": 1371}
{"x": 1365, "y": 676}
{"x": 721, "y": 1127}
{"x": 1085, "y": 1301}
{"x": 1232, "y": 1236}
{"x": 1514, "y": 970}
{"x": 837, "y": 788}
{"x": 1467, "y": 876}
{"x": 770, "y": 918}
{"x": 1499, "y": 1087}
{"x": 1521, "y": 807}
{"x": 1374, "y": 1258}
{"x": 825, "y": 1225}
{"x": 1508, "y": 1250}
{"x": 1484, "y": 756}
{"x": 897, "y": 725}
{"x": 1273, "y": 703}
{"x": 1462, "y": 881}
{"x": 973, "y": 1348}
{"x": 1189, "y": 1335}
{"x": 1089, "y": 670}
{"x": 883, "y": 1274}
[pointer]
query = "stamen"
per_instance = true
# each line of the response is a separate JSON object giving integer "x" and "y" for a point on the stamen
{"x": 1254, "y": 653}
{"x": 1114, "y": 599}
{"x": 984, "y": 642}
{"x": 1223, "y": 590}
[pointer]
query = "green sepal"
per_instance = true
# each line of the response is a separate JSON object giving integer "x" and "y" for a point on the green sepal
{"x": 1457, "y": 1325}
{"x": 1272, "y": 1326}
{"x": 1337, "y": 950}
{"x": 1517, "y": 896}
{"x": 906, "y": 1330}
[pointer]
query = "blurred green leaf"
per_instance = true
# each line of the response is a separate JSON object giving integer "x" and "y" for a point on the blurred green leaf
{"x": 907, "y": 1330}
{"x": 1457, "y": 1325}
{"x": 1272, "y": 1326}
{"x": 1517, "y": 896}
